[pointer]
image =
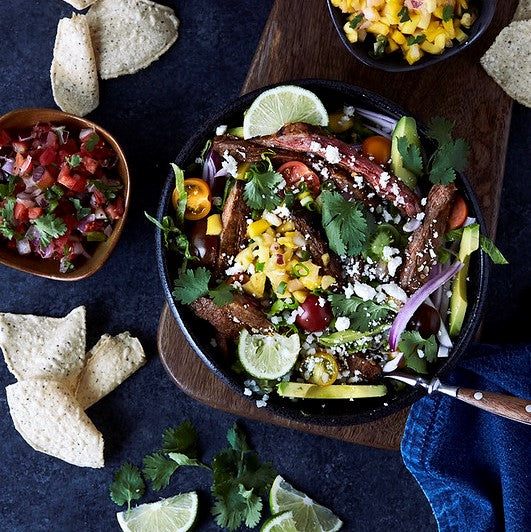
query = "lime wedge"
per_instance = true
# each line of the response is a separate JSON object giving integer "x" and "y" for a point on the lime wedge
{"x": 280, "y": 523}
{"x": 335, "y": 391}
{"x": 307, "y": 514}
{"x": 175, "y": 513}
{"x": 268, "y": 356}
{"x": 282, "y": 105}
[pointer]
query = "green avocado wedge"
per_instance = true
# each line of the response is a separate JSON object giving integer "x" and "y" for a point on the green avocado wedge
{"x": 334, "y": 391}
{"x": 405, "y": 127}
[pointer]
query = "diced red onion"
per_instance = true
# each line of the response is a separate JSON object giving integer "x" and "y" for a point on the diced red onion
{"x": 64, "y": 266}
{"x": 414, "y": 302}
{"x": 99, "y": 214}
{"x": 78, "y": 249}
{"x": 85, "y": 133}
{"x": 62, "y": 135}
{"x": 8, "y": 166}
{"x": 38, "y": 173}
{"x": 411, "y": 225}
{"x": 83, "y": 224}
{"x": 107, "y": 231}
{"x": 27, "y": 202}
{"x": 23, "y": 246}
{"x": 47, "y": 253}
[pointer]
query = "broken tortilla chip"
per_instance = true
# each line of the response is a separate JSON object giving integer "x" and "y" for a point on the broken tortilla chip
{"x": 74, "y": 73}
{"x": 112, "y": 360}
{"x": 508, "y": 61}
{"x": 80, "y": 4}
{"x": 523, "y": 10}
{"x": 42, "y": 347}
{"x": 129, "y": 35}
{"x": 48, "y": 417}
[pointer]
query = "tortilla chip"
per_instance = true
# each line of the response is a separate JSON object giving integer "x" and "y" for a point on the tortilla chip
{"x": 523, "y": 10}
{"x": 80, "y": 4}
{"x": 129, "y": 35}
{"x": 508, "y": 61}
{"x": 112, "y": 360}
{"x": 48, "y": 417}
{"x": 42, "y": 347}
{"x": 74, "y": 74}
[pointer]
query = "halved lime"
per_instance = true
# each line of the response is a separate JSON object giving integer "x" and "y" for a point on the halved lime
{"x": 308, "y": 515}
{"x": 282, "y": 105}
{"x": 335, "y": 391}
{"x": 268, "y": 356}
{"x": 280, "y": 523}
{"x": 176, "y": 513}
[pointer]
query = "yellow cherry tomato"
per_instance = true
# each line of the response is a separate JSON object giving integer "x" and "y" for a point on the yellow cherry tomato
{"x": 198, "y": 203}
{"x": 320, "y": 369}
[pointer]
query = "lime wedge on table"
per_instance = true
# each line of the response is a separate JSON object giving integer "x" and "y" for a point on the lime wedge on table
{"x": 267, "y": 356}
{"x": 175, "y": 513}
{"x": 335, "y": 391}
{"x": 280, "y": 523}
{"x": 307, "y": 514}
{"x": 282, "y": 105}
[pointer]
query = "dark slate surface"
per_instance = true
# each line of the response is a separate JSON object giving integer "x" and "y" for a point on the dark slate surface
{"x": 153, "y": 113}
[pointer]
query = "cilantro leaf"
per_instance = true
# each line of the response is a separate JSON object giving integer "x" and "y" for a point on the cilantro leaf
{"x": 344, "y": 223}
{"x": 182, "y": 460}
{"x": 404, "y": 14}
{"x": 448, "y": 12}
{"x": 237, "y": 438}
{"x": 415, "y": 39}
{"x": 411, "y": 156}
{"x": 191, "y": 285}
{"x": 449, "y": 158}
{"x": 7, "y": 189}
{"x": 418, "y": 351}
{"x": 49, "y": 226}
{"x": 6, "y": 214}
{"x": 107, "y": 189}
{"x": 182, "y": 439}
{"x": 74, "y": 160}
{"x": 159, "y": 470}
{"x": 128, "y": 485}
{"x": 440, "y": 130}
{"x": 91, "y": 141}
{"x": 353, "y": 24}
{"x": 261, "y": 191}
{"x": 81, "y": 211}
{"x": 222, "y": 295}
{"x": 363, "y": 315}
{"x": 174, "y": 238}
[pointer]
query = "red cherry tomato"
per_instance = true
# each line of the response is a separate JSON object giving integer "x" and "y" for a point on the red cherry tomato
{"x": 426, "y": 321}
{"x": 202, "y": 245}
{"x": 295, "y": 173}
{"x": 314, "y": 316}
{"x": 377, "y": 147}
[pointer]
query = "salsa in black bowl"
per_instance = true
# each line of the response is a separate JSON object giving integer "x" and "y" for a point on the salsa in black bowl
{"x": 201, "y": 334}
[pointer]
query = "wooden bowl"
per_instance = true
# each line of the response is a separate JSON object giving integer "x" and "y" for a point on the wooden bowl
{"x": 26, "y": 118}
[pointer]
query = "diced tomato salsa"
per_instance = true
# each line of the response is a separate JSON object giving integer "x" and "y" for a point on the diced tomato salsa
{"x": 60, "y": 193}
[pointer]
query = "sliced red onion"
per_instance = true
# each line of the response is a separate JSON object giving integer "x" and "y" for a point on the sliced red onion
{"x": 83, "y": 224}
{"x": 412, "y": 225}
{"x": 23, "y": 246}
{"x": 392, "y": 364}
{"x": 379, "y": 131}
{"x": 442, "y": 334}
{"x": 8, "y": 166}
{"x": 414, "y": 302}
{"x": 25, "y": 138}
{"x": 209, "y": 167}
{"x": 78, "y": 249}
{"x": 386, "y": 123}
{"x": 443, "y": 351}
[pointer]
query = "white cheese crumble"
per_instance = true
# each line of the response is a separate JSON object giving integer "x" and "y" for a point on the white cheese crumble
{"x": 221, "y": 130}
{"x": 332, "y": 155}
{"x": 229, "y": 164}
{"x": 315, "y": 146}
{"x": 342, "y": 323}
{"x": 365, "y": 291}
{"x": 234, "y": 270}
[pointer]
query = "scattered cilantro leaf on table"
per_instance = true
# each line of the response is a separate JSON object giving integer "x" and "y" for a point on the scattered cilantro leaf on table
{"x": 191, "y": 285}
{"x": 159, "y": 470}
{"x": 261, "y": 190}
{"x": 237, "y": 439}
{"x": 344, "y": 223}
{"x": 49, "y": 226}
{"x": 411, "y": 342}
{"x": 411, "y": 156}
{"x": 362, "y": 314}
{"x": 128, "y": 485}
{"x": 182, "y": 460}
{"x": 222, "y": 295}
{"x": 182, "y": 439}
{"x": 440, "y": 130}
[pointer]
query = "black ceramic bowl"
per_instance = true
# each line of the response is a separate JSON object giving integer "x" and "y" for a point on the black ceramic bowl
{"x": 395, "y": 62}
{"x": 199, "y": 333}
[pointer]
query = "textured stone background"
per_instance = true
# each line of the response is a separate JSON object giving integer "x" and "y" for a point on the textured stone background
{"x": 153, "y": 113}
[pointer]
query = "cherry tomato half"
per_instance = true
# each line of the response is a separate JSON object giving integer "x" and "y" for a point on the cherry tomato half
{"x": 202, "y": 245}
{"x": 377, "y": 147}
{"x": 426, "y": 321}
{"x": 320, "y": 369}
{"x": 458, "y": 214}
{"x": 295, "y": 173}
{"x": 316, "y": 314}
{"x": 198, "y": 202}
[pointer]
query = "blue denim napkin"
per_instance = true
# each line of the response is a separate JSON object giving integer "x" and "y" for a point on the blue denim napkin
{"x": 473, "y": 466}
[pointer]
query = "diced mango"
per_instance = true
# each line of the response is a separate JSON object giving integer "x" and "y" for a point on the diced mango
{"x": 466, "y": 20}
{"x": 245, "y": 258}
{"x": 327, "y": 281}
{"x": 449, "y": 28}
{"x": 311, "y": 281}
{"x": 460, "y": 35}
{"x": 398, "y": 37}
{"x": 378, "y": 28}
{"x": 300, "y": 295}
{"x": 391, "y": 46}
{"x": 431, "y": 48}
{"x": 257, "y": 228}
{"x": 214, "y": 225}
{"x": 256, "y": 285}
{"x": 410, "y": 26}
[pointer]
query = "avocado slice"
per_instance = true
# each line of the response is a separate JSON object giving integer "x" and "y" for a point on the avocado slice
{"x": 334, "y": 391}
{"x": 458, "y": 301}
{"x": 405, "y": 127}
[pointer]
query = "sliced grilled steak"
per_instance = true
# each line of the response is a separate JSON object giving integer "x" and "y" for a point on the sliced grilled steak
{"x": 369, "y": 371}
{"x": 232, "y": 238}
{"x": 426, "y": 240}
{"x": 317, "y": 245}
{"x": 301, "y": 137}
{"x": 243, "y": 313}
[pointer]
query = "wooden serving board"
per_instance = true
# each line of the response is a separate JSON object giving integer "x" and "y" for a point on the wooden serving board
{"x": 299, "y": 41}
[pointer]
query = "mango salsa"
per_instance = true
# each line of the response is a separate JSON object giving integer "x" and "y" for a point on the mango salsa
{"x": 397, "y": 25}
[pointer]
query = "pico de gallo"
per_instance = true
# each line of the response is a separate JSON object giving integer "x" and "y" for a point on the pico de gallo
{"x": 60, "y": 194}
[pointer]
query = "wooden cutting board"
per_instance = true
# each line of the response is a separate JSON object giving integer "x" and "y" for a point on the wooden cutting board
{"x": 299, "y": 41}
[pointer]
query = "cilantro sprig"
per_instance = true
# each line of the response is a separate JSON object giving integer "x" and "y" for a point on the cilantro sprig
{"x": 74, "y": 160}
{"x": 344, "y": 223}
{"x": 128, "y": 485}
{"x": 49, "y": 227}
{"x": 190, "y": 285}
{"x": 91, "y": 141}
{"x": 411, "y": 156}
{"x": 417, "y": 350}
{"x": 6, "y": 214}
{"x": 415, "y": 39}
{"x": 261, "y": 189}
{"x": 363, "y": 315}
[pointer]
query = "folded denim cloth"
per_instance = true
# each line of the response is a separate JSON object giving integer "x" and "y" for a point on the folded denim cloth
{"x": 474, "y": 466}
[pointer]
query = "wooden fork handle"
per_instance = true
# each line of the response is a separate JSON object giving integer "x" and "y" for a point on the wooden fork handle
{"x": 503, "y": 405}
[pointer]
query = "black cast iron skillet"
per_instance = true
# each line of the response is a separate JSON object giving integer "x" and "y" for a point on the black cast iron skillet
{"x": 199, "y": 333}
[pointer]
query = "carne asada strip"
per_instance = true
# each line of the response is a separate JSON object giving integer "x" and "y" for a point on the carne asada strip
{"x": 244, "y": 312}
{"x": 421, "y": 254}
{"x": 233, "y": 234}
{"x": 368, "y": 370}
{"x": 304, "y": 138}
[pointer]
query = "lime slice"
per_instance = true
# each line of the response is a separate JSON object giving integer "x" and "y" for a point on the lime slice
{"x": 308, "y": 515}
{"x": 280, "y": 523}
{"x": 335, "y": 391}
{"x": 175, "y": 513}
{"x": 282, "y": 105}
{"x": 268, "y": 356}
